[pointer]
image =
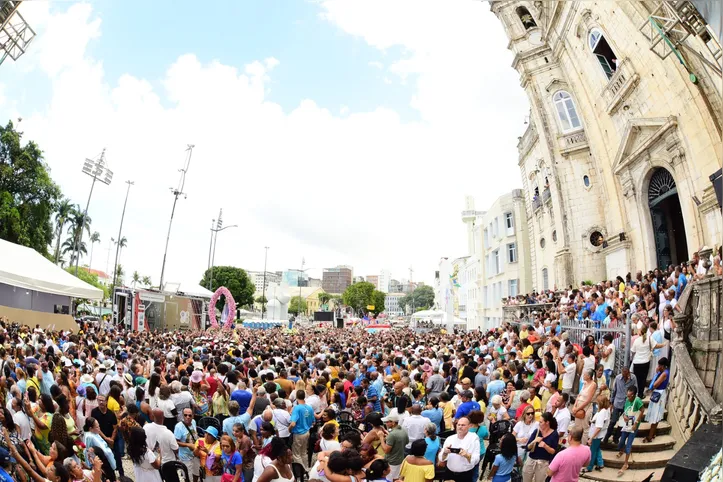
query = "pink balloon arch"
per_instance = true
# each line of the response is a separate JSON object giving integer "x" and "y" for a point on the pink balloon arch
{"x": 230, "y": 303}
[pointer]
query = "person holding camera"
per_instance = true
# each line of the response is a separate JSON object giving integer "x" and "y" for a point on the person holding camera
{"x": 461, "y": 453}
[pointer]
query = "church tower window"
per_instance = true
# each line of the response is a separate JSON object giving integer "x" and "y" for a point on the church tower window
{"x": 566, "y": 111}
{"x": 603, "y": 52}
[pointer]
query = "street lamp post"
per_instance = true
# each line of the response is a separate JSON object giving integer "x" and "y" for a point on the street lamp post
{"x": 214, "y": 237}
{"x": 117, "y": 249}
{"x": 99, "y": 172}
{"x": 263, "y": 289}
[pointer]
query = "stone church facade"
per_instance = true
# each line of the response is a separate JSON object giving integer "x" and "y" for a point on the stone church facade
{"x": 622, "y": 140}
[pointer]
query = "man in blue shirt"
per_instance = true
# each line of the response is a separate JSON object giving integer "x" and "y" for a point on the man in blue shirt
{"x": 372, "y": 394}
{"x": 467, "y": 405}
{"x": 186, "y": 436}
{"x": 302, "y": 418}
{"x": 434, "y": 414}
{"x": 496, "y": 386}
{"x": 243, "y": 418}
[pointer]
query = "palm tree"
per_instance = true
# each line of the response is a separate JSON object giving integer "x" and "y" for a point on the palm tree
{"x": 79, "y": 222}
{"x": 136, "y": 278}
{"x": 68, "y": 246}
{"x": 146, "y": 280}
{"x": 62, "y": 217}
{"x": 94, "y": 238}
{"x": 122, "y": 243}
{"x": 119, "y": 275}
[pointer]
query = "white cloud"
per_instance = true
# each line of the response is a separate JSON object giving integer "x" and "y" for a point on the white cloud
{"x": 376, "y": 64}
{"x": 360, "y": 188}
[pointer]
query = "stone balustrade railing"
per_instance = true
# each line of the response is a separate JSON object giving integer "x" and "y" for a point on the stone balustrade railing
{"x": 694, "y": 390}
{"x": 523, "y": 313}
{"x": 690, "y": 405}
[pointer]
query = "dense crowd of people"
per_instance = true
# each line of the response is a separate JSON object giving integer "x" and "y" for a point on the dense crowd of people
{"x": 339, "y": 404}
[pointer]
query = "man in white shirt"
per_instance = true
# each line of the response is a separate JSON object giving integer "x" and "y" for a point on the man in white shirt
{"x": 282, "y": 419}
{"x": 157, "y": 433}
{"x": 414, "y": 425}
{"x": 568, "y": 372}
{"x": 461, "y": 451}
{"x": 563, "y": 417}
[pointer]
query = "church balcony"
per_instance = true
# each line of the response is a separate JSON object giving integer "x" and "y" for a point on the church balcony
{"x": 536, "y": 203}
{"x": 572, "y": 142}
{"x": 620, "y": 86}
{"x": 546, "y": 196}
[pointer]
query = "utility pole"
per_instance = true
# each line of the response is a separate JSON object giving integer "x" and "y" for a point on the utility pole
{"x": 210, "y": 244}
{"x": 117, "y": 248}
{"x": 176, "y": 193}
{"x": 219, "y": 227}
{"x": 263, "y": 290}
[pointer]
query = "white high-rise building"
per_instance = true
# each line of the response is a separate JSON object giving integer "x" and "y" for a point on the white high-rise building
{"x": 383, "y": 283}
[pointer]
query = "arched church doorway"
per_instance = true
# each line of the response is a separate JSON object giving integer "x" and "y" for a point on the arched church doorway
{"x": 667, "y": 216}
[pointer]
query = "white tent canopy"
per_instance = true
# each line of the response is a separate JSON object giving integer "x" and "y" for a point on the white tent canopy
{"x": 193, "y": 290}
{"x": 26, "y": 268}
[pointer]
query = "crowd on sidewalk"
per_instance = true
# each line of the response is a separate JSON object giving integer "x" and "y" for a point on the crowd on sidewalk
{"x": 339, "y": 405}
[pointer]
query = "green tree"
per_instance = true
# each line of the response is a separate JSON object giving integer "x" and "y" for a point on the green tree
{"x": 136, "y": 278}
{"x": 261, "y": 300}
{"x": 421, "y": 298}
{"x": 90, "y": 278}
{"x": 324, "y": 299}
{"x": 378, "y": 301}
{"x": 28, "y": 197}
{"x": 359, "y": 295}
{"x": 146, "y": 280}
{"x": 296, "y": 305}
{"x": 62, "y": 217}
{"x": 235, "y": 280}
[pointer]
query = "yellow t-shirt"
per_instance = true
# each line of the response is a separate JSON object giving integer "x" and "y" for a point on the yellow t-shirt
{"x": 537, "y": 404}
{"x": 416, "y": 473}
{"x": 113, "y": 406}
{"x": 523, "y": 334}
{"x": 527, "y": 352}
{"x": 447, "y": 413}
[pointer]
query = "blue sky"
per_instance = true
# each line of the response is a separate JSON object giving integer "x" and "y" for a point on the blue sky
{"x": 317, "y": 60}
{"x": 341, "y": 131}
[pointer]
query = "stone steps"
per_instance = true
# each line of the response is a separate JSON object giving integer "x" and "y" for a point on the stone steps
{"x": 639, "y": 460}
{"x": 661, "y": 442}
{"x": 664, "y": 428}
{"x": 631, "y": 475}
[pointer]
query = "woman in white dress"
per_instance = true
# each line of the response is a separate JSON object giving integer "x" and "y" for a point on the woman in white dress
{"x": 145, "y": 462}
{"x": 656, "y": 409}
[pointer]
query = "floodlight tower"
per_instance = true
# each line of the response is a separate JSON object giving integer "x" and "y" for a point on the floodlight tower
{"x": 97, "y": 169}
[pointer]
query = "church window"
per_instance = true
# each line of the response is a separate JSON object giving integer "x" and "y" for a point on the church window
{"x": 526, "y": 18}
{"x": 566, "y": 111}
{"x": 603, "y": 52}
